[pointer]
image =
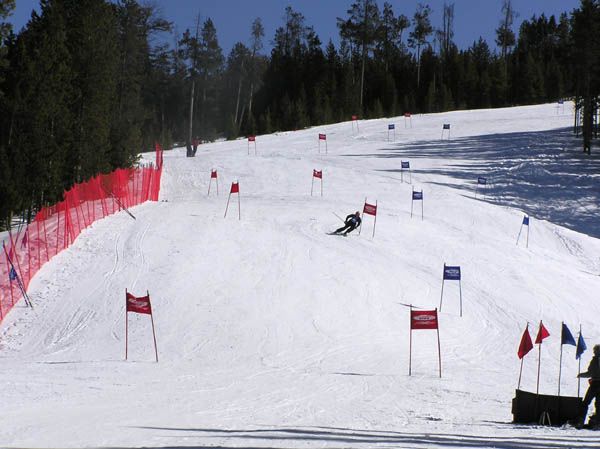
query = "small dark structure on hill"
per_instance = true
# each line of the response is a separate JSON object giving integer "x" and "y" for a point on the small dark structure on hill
{"x": 587, "y": 120}
{"x": 531, "y": 408}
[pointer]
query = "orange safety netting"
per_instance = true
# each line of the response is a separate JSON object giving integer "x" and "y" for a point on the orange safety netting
{"x": 56, "y": 227}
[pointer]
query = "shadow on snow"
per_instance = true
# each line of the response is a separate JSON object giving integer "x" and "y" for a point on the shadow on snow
{"x": 544, "y": 174}
{"x": 344, "y": 436}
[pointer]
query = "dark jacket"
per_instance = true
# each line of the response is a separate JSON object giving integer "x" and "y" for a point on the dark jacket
{"x": 593, "y": 370}
{"x": 353, "y": 220}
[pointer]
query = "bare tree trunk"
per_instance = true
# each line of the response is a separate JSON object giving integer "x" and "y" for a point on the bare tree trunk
{"x": 239, "y": 92}
{"x": 418, "y": 66}
{"x": 362, "y": 78}
{"x": 190, "y": 130}
{"x": 250, "y": 102}
{"x": 242, "y": 116}
{"x": 588, "y": 117}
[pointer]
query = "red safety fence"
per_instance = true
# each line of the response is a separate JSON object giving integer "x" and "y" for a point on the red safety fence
{"x": 56, "y": 227}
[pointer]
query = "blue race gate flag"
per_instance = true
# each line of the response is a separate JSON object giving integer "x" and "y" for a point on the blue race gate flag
{"x": 581, "y": 347}
{"x": 451, "y": 273}
{"x": 446, "y": 127}
{"x": 524, "y": 223}
{"x": 12, "y": 275}
{"x": 391, "y": 126}
{"x": 405, "y": 165}
{"x": 566, "y": 337}
{"x": 481, "y": 180}
{"x": 416, "y": 196}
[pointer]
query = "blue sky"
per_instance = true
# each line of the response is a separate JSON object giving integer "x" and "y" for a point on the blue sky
{"x": 232, "y": 18}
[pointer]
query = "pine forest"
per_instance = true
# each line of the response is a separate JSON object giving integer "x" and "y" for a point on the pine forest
{"x": 87, "y": 85}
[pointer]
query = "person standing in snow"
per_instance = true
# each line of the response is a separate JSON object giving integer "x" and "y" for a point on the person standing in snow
{"x": 593, "y": 391}
{"x": 350, "y": 224}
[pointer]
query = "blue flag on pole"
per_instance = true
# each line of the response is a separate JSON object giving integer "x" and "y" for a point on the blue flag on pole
{"x": 405, "y": 164}
{"x": 482, "y": 180}
{"x": 391, "y": 126}
{"x": 566, "y": 337}
{"x": 12, "y": 274}
{"x": 581, "y": 347}
{"x": 526, "y": 220}
{"x": 417, "y": 195}
{"x": 451, "y": 273}
{"x": 446, "y": 126}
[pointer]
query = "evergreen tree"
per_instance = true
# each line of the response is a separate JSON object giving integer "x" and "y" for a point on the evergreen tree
{"x": 136, "y": 26}
{"x": 93, "y": 43}
{"x": 255, "y": 70}
{"x": 41, "y": 134}
{"x": 586, "y": 60}
{"x": 505, "y": 36}
{"x": 210, "y": 66}
{"x": 6, "y": 8}
{"x": 361, "y": 28}
{"x": 421, "y": 31}
{"x": 235, "y": 79}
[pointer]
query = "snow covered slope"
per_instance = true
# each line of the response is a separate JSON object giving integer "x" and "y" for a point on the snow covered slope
{"x": 273, "y": 334}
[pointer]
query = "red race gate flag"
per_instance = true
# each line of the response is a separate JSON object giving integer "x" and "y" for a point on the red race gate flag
{"x": 141, "y": 305}
{"x": 235, "y": 188}
{"x": 423, "y": 319}
{"x": 370, "y": 209}
{"x": 319, "y": 175}
{"x": 213, "y": 175}
{"x": 138, "y": 305}
{"x": 323, "y": 137}
{"x": 542, "y": 333}
{"x": 526, "y": 345}
{"x": 355, "y": 120}
{"x": 252, "y": 139}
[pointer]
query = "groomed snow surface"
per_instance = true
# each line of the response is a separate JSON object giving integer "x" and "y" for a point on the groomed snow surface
{"x": 272, "y": 333}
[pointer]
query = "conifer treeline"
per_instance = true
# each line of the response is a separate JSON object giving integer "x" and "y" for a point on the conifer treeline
{"x": 88, "y": 84}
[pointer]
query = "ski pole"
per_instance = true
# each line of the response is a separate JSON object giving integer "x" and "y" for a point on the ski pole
{"x": 341, "y": 219}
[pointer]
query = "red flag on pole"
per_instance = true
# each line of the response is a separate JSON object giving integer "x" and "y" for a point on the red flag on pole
{"x": 317, "y": 174}
{"x": 423, "y": 319}
{"x": 526, "y": 345}
{"x": 542, "y": 333}
{"x": 213, "y": 174}
{"x": 370, "y": 209}
{"x": 235, "y": 188}
{"x": 251, "y": 138}
{"x": 138, "y": 304}
{"x": 322, "y": 136}
{"x": 355, "y": 117}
